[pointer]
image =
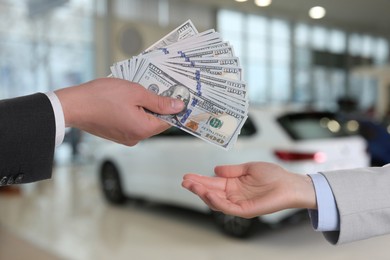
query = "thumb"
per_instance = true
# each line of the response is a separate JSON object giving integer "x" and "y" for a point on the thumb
{"x": 231, "y": 171}
{"x": 162, "y": 105}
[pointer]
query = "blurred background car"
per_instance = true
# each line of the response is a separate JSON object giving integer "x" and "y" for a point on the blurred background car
{"x": 299, "y": 140}
{"x": 374, "y": 130}
{"x": 378, "y": 140}
{"x": 377, "y": 136}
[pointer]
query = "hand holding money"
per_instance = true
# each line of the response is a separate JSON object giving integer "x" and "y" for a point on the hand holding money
{"x": 202, "y": 71}
{"x": 110, "y": 108}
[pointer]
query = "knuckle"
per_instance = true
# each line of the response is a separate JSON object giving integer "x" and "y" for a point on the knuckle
{"x": 162, "y": 103}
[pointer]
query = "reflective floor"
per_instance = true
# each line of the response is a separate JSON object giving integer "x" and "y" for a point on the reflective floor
{"x": 67, "y": 217}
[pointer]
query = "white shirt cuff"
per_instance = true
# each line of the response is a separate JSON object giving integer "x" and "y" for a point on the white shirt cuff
{"x": 59, "y": 117}
{"x": 326, "y": 217}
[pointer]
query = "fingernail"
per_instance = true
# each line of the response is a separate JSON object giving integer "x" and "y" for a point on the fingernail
{"x": 177, "y": 104}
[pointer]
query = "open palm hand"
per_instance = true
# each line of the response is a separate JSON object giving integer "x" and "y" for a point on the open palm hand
{"x": 252, "y": 189}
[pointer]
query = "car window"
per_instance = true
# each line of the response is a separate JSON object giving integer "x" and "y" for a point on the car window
{"x": 248, "y": 128}
{"x": 313, "y": 125}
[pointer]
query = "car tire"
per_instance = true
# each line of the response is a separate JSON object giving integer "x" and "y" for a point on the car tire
{"x": 235, "y": 226}
{"x": 111, "y": 184}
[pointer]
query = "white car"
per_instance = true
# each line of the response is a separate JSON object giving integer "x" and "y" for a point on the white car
{"x": 303, "y": 142}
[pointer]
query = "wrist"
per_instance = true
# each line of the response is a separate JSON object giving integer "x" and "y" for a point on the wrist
{"x": 305, "y": 196}
{"x": 69, "y": 105}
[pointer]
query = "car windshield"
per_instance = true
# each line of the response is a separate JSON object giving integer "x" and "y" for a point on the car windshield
{"x": 316, "y": 125}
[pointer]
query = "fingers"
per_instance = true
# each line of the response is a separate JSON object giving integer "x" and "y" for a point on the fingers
{"x": 152, "y": 125}
{"x": 206, "y": 181}
{"x": 160, "y": 104}
{"x": 198, "y": 189}
{"x": 214, "y": 198}
{"x": 231, "y": 171}
{"x": 222, "y": 204}
{"x": 215, "y": 201}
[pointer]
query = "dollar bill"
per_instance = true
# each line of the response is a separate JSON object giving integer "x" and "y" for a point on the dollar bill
{"x": 234, "y": 73}
{"x": 237, "y": 91}
{"x": 201, "y": 117}
{"x": 201, "y": 69}
{"x": 184, "y": 31}
{"x": 220, "y": 61}
{"x": 203, "y": 38}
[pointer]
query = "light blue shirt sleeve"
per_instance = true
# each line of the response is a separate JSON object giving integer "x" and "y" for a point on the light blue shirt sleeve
{"x": 326, "y": 217}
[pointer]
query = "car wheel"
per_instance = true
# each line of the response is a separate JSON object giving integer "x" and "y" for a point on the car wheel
{"x": 235, "y": 226}
{"x": 111, "y": 184}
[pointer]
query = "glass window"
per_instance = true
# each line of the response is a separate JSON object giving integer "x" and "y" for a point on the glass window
{"x": 281, "y": 87}
{"x": 338, "y": 78}
{"x": 256, "y": 58}
{"x": 257, "y": 38}
{"x": 237, "y": 43}
{"x": 355, "y": 44}
{"x": 257, "y": 26}
{"x": 337, "y": 41}
{"x": 280, "y": 52}
{"x": 367, "y": 46}
{"x": 273, "y": 74}
{"x": 34, "y": 56}
{"x": 231, "y": 27}
{"x": 381, "y": 51}
{"x": 302, "y": 91}
{"x": 257, "y": 49}
{"x": 280, "y": 42}
{"x": 280, "y": 61}
{"x": 364, "y": 91}
{"x": 256, "y": 76}
{"x": 280, "y": 30}
{"x": 319, "y": 38}
{"x": 230, "y": 21}
{"x": 321, "y": 87}
{"x": 329, "y": 87}
{"x": 249, "y": 128}
{"x": 302, "y": 35}
{"x": 315, "y": 125}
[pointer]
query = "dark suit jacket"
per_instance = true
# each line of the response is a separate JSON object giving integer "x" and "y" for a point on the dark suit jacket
{"x": 27, "y": 139}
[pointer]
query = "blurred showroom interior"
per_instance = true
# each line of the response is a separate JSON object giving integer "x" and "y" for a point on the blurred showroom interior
{"x": 335, "y": 59}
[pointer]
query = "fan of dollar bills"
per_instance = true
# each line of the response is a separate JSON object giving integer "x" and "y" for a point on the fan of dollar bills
{"x": 201, "y": 70}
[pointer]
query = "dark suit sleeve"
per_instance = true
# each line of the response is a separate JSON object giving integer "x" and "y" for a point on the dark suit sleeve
{"x": 27, "y": 139}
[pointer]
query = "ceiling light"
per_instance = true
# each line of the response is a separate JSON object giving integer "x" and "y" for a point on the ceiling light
{"x": 263, "y": 3}
{"x": 241, "y": 0}
{"x": 317, "y": 12}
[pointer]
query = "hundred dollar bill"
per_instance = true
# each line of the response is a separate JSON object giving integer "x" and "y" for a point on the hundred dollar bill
{"x": 201, "y": 117}
{"x": 198, "y": 65}
{"x": 195, "y": 50}
{"x": 234, "y": 73}
{"x": 186, "y": 30}
{"x": 219, "y": 49}
{"x": 226, "y": 52}
{"x": 231, "y": 102}
{"x": 220, "y": 61}
{"x": 201, "y": 39}
{"x": 237, "y": 84}
{"x": 236, "y": 91}
{"x": 213, "y": 48}
{"x": 174, "y": 50}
